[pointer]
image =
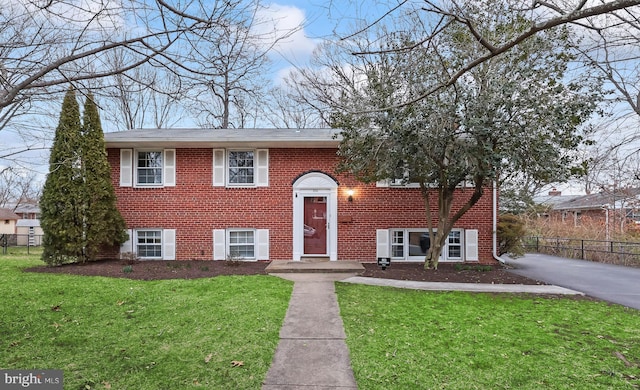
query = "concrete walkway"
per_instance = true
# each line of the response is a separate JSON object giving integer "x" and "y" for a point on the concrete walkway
{"x": 312, "y": 353}
{"x": 471, "y": 287}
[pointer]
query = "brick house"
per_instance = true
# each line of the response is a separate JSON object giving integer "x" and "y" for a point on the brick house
{"x": 612, "y": 208}
{"x": 271, "y": 194}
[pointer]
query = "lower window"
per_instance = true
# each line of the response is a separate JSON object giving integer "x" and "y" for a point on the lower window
{"x": 149, "y": 244}
{"x": 241, "y": 244}
{"x": 413, "y": 244}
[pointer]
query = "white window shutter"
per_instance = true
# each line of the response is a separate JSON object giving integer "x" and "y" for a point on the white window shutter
{"x": 262, "y": 240}
{"x": 382, "y": 243}
{"x": 262, "y": 167}
{"x": 127, "y": 246}
{"x": 219, "y": 244}
{"x": 169, "y": 167}
{"x": 219, "y": 165}
{"x": 169, "y": 244}
{"x": 126, "y": 167}
{"x": 471, "y": 244}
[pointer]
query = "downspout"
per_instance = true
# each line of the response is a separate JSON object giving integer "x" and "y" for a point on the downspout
{"x": 495, "y": 224}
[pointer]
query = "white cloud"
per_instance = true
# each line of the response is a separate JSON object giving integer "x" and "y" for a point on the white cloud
{"x": 288, "y": 21}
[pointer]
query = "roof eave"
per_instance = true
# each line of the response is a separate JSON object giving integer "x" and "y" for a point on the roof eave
{"x": 178, "y": 143}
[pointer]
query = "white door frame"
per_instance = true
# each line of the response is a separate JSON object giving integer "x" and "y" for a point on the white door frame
{"x": 315, "y": 184}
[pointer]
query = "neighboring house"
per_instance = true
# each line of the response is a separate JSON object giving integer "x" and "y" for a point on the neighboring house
{"x": 28, "y": 211}
{"x": 608, "y": 207}
{"x": 8, "y": 221}
{"x": 553, "y": 198}
{"x": 267, "y": 194}
{"x": 29, "y": 232}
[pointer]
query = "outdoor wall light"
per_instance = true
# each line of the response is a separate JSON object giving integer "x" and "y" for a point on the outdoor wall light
{"x": 350, "y": 195}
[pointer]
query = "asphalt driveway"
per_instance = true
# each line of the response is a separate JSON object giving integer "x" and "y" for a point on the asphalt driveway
{"x": 609, "y": 282}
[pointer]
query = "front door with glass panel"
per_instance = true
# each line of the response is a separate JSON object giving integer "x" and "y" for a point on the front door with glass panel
{"x": 315, "y": 225}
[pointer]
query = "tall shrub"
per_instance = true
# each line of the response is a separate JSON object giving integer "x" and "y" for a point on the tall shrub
{"x": 79, "y": 214}
{"x": 104, "y": 226}
{"x": 62, "y": 196}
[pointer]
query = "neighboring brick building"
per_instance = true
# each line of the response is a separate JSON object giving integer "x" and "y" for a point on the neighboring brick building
{"x": 267, "y": 194}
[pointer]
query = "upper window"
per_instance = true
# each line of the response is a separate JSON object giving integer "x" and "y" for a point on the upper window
{"x": 241, "y": 167}
{"x": 149, "y": 168}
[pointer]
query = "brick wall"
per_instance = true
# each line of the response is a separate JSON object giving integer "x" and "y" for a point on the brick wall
{"x": 194, "y": 207}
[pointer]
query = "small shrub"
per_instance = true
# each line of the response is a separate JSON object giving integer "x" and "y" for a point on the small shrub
{"x": 510, "y": 233}
{"x": 232, "y": 260}
{"x": 127, "y": 269}
{"x": 129, "y": 258}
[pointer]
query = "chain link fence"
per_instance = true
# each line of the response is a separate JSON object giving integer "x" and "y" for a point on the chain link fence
{"x": 19, "y": 240}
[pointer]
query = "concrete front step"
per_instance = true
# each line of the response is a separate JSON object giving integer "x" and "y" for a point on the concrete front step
{"x": 280, "y": 266}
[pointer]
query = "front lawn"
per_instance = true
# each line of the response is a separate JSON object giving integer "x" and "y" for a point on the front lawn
{"x": 107, "y": 333}
{"x": 405, "y": 339}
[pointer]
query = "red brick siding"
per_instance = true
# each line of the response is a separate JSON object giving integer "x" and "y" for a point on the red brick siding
{"x": 194, "y": 207}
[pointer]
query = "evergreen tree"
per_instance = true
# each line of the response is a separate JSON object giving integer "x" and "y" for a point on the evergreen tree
{"x": 104, "y": 226}
{"x": 62, "y": 196}
{"x": 79, "y": 214}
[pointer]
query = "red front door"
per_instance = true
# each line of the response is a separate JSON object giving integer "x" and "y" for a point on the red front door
{"x": 315, "y": 225}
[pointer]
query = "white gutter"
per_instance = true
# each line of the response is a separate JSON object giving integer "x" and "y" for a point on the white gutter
{"x": 495, "y": 224}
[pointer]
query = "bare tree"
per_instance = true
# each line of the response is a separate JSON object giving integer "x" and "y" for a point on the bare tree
{"x": 611, "y": 45}
{"x": 228, "y": 83}
{"x": 147, "y": 96}
{"x": 439, "y": 17}
{"x": 17, "y": 187}
{"x": 291, "y": 109}
{"x": 45, "y": 45}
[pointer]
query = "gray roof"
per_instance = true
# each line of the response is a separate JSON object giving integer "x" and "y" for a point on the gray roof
{"x": 27, "y": 208}
{"x": 552, "y": 200}
{"x": 618, "y": 199}
{"x": 212, "y": 138}
{"x": 8, "y": 214}
{"x": 28, "y": 223}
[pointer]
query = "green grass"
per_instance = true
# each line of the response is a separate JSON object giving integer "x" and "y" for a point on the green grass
{"x": 126, "y": 334}
{"x": 404, "y": 339}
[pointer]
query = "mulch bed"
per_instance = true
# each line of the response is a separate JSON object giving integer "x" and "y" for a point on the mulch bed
{"x": 156, "y": 270}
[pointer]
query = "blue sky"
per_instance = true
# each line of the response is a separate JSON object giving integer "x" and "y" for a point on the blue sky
{"x": 317, "y": 18}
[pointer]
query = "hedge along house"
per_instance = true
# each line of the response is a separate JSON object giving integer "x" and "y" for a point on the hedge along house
{"x": 272, "y": 194}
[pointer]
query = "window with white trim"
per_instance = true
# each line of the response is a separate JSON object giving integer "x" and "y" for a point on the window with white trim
{"x": 149, "y": 244}
{"x": 149, "y": 166}
{"x": 454, "y": 245}
{"x": 241, "y": 168}
{"x": 397, "y": 243}
{"x": 241, "y": 244}
{"x": 413, "y": 244}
